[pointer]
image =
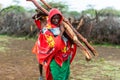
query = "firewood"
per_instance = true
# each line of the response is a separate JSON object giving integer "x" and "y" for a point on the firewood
{"x": 76, "y": 32}
{"x": 71, "y": 32}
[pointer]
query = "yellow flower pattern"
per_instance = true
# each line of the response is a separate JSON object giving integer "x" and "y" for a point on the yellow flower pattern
{"x": 64, "y": 49}
{"x": 50, "y": 41}
{"x": 48, "y": 26}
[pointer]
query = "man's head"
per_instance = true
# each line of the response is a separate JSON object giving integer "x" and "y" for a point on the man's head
{"x": 56, "y": 19}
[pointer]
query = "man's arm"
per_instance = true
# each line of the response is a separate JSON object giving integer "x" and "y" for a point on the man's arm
{"x": 62, "y": 29}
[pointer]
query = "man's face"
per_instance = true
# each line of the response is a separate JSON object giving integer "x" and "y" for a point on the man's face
{"x": 56, "y": 19}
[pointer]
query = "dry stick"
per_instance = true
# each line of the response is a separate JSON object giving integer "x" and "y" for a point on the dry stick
{"x": 73, "y": 36}
{"x": 75, "y": 39}
{"x": 84, "y": 40}
{"x": 81, "y": 22}
{"x": 77, "y": 33}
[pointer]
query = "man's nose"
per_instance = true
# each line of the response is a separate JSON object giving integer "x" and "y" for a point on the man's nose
{"x": 56, "y": 20}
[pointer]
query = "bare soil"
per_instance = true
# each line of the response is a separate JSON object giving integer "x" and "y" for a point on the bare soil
{"x": 18, "y": 63}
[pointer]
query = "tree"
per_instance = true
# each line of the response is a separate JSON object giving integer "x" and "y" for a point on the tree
{"x": 60, "y": 5}
{"x": 13, "y": 8}
{"x": 90, "y": 12}
{"x": 0, "y": 6}
{"x": 73, "y": 14}
{"x": 109, "y": 11}
{"x": 14, "y": 20}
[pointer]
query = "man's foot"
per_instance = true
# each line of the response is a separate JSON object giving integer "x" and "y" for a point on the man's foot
{"x": 40, "y": 78}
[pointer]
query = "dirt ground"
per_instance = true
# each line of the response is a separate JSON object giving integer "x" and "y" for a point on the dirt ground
{"x": 18, "y": 63}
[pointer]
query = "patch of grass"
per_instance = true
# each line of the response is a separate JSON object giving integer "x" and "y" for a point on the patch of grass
{"x": 2, "y": 49}
{"x": 4, "y": 38}
{"x": 108, "y": 45}
{"x": 99, "y": 69}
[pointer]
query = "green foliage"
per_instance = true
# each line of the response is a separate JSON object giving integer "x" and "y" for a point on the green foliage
{"x": 74, "y": 13}
{"x": 13, "y": 8}
{"x": 109, "y": 11}
{"x": 64, "y": 8}
{"x": 0, "y": 6}
{"x": 60, "y": 5}
{"x": 90, "y": 12}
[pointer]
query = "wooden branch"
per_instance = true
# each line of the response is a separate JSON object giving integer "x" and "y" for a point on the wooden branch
{"x": 84, "y": 40}
{"x": 46, "y": 4}
{"x": 81, "y": 22}
{"x": 73, "y": 36}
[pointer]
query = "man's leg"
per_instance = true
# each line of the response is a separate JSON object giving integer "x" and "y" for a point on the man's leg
{"x": 41, "y": 72}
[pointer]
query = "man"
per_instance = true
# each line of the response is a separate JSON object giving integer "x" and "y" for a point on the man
{"x": 54, "y": 48}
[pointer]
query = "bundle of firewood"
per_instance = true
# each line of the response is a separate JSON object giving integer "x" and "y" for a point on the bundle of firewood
{"x": 72, "y": 32}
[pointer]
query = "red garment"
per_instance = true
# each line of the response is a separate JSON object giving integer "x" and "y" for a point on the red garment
{"x": 38, "y": 24}
{"x": 73, "y": 52}
{"x": 48, "y": 47}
